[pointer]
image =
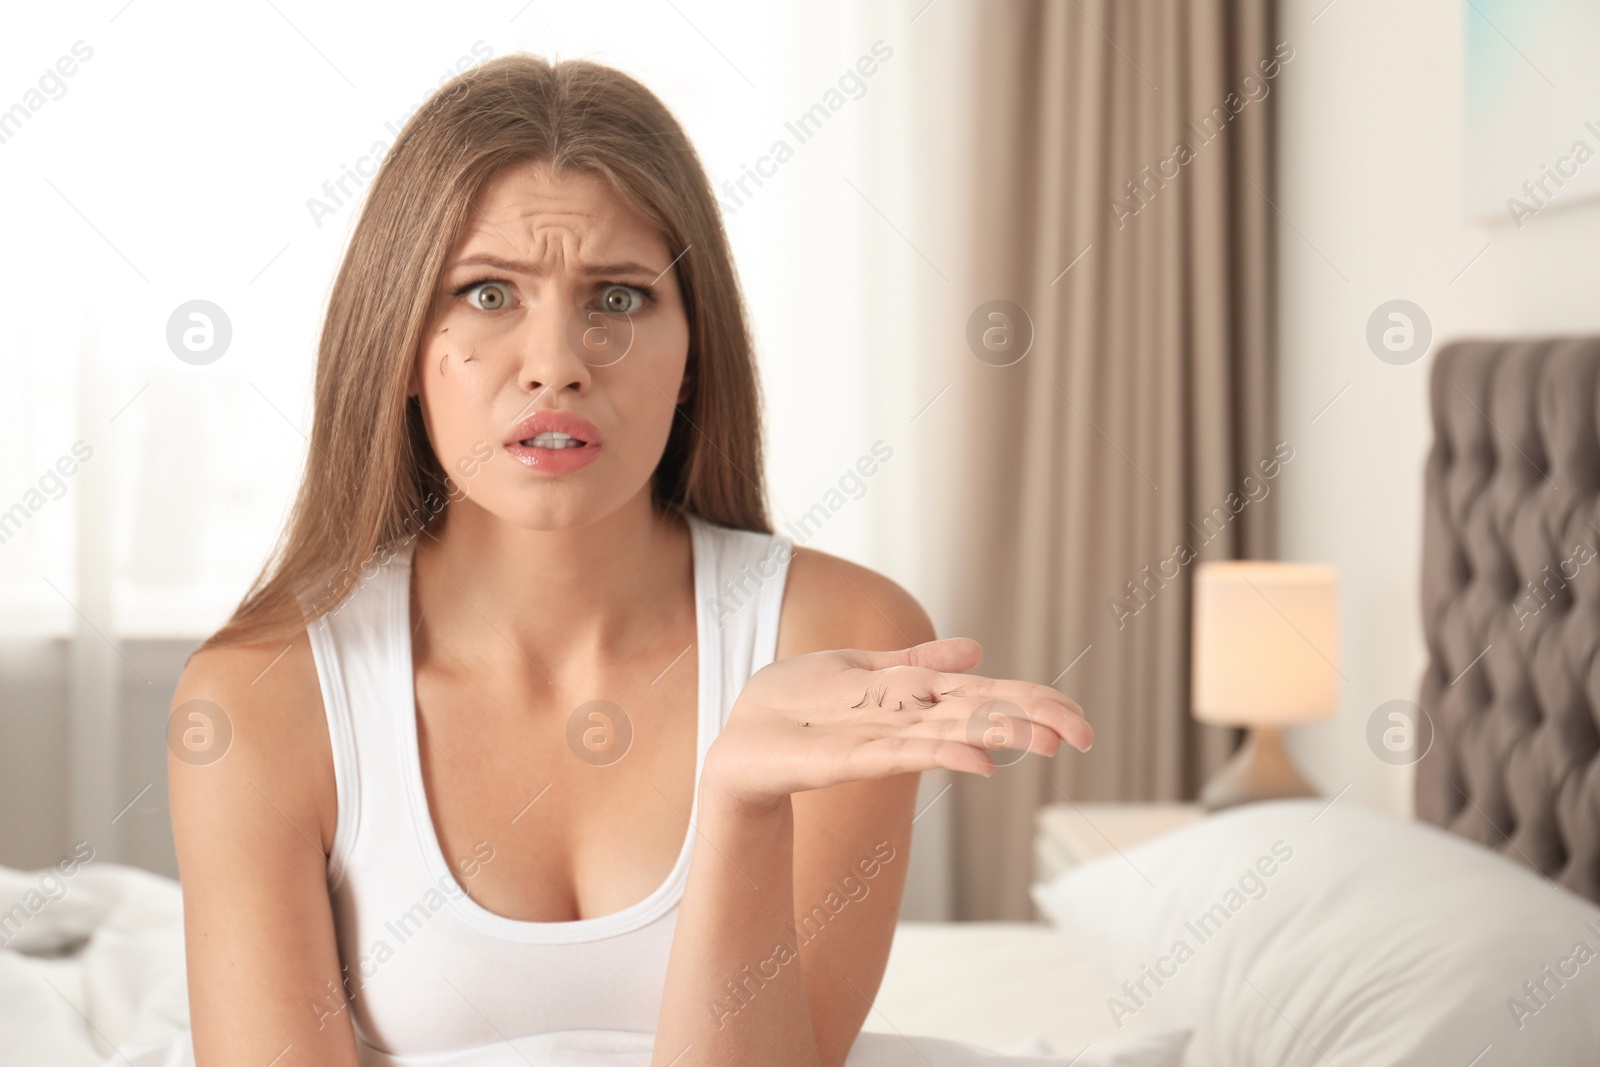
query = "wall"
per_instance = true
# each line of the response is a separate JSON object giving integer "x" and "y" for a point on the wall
{"x": 1370, "y": 196}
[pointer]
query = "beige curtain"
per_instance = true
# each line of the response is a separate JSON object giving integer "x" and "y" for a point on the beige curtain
{"x": 1139, "y": 418}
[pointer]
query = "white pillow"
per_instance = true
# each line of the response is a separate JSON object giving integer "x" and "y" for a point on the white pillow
{"x": 1291, "y": 932}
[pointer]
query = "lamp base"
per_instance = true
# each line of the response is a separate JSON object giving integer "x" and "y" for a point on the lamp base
{"x": 1260, "y": 770}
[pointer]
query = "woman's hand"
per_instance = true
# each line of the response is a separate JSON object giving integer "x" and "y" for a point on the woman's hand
{"x": 847, "y": 715}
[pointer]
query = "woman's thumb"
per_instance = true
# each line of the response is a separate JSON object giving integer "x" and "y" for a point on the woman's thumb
{"x": 951, "y": 654}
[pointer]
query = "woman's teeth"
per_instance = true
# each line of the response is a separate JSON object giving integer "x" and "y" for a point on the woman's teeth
{"x": 553, "y": 439}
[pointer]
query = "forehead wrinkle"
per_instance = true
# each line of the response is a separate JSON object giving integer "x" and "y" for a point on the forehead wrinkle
{"x": 546, "y": 232}
{"x": 540, "y": 229}
{"x": 553, "y": 245}
{"x": 555, "y": 240}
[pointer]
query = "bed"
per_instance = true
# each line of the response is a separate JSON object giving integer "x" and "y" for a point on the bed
{"x": 1511, "y": 604}
{"x": 1295, "y": 932}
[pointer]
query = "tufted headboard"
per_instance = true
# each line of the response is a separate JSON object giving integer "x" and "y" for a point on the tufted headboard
{"x": 1511, "y": 603}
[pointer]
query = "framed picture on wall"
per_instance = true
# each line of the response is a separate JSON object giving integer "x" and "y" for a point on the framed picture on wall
{"x": 1532, "y": 137}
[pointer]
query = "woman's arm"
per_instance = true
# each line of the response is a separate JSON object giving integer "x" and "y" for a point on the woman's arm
{"x": 755, "y": 979}
{"x": 852, "y": 845}
{"x": 734, "y": 993}
{"x": 251, "y": 830}
{"x": 788, "y": 917}
{"x": 852, "y": 841}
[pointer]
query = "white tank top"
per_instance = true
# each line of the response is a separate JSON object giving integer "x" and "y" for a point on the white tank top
{"x": 430, "y": 975}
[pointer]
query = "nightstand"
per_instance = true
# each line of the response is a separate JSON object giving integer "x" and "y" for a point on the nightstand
{"x": 1069, "y": 834}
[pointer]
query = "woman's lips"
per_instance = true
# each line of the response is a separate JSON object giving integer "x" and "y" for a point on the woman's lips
{"x": 553, "y": 460}
{"x": 559, "y": 460}
{"x": 552, "y": 421}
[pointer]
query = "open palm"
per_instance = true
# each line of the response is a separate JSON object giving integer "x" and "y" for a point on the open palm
{"x": 847, "y": 715}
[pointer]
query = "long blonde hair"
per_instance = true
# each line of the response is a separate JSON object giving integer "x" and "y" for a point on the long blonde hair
{"x": 371, "y": 481}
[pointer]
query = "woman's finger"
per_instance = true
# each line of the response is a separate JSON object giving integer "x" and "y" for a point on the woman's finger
{"x": 884, "y": 757}
{"x": 948, "y": 659}
{"x": 945, "y": 655}
{"x": 960, "y": 704}
{"x": 993, "y": 725}
{"x": 1041, "y": 703}
{"x": 905, "y": 685}
{"x": 1013, "y": 689}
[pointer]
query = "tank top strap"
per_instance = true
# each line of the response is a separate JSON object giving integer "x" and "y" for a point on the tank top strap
{"x": 355, "y": 649}
{"x": 742, "y": 608}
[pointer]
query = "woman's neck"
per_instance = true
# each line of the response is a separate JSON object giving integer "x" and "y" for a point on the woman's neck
{"x": 487, "y": 592}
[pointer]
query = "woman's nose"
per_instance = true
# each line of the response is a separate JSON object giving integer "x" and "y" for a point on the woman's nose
{"x": 552, "y": 358}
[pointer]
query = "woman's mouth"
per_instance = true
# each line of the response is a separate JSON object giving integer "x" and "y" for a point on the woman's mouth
{"x": 552, "y": 439}
{"x": 553, "y": 452}
{"x": 554, "y": 442}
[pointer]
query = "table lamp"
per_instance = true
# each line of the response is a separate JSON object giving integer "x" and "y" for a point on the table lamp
{"x": 1265, "y": 655}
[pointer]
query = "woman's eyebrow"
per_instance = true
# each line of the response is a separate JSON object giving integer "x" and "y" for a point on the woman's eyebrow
{"x": 519, "y": 266}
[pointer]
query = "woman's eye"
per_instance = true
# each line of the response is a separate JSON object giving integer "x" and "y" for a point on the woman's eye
{"x": 492, "y": 296}
{"x": 621, "y": 299}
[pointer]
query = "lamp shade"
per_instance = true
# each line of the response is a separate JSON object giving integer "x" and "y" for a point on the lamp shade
{"x": 1265, "y": 642}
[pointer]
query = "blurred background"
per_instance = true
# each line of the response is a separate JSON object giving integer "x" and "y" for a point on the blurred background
{"x": 1087, "y": 270}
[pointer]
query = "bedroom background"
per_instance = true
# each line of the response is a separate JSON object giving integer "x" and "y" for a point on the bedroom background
{"x": 940, "y": 173}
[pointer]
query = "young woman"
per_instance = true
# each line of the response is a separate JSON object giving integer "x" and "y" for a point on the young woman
{"x": 533, "y": 737}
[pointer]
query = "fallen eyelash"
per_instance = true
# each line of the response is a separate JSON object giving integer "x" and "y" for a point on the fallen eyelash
{"x": 926, "y": 702}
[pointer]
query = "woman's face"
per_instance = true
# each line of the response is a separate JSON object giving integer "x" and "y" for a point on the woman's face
{"x": 557, "y": 298}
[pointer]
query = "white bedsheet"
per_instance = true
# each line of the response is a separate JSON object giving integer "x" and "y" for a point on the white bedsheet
{"x": 1020, "y": 987}
{"x": 124, "y": 988}
{"x": 119, "y": 996}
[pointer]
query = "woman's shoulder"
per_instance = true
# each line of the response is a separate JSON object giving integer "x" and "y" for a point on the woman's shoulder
{"x": 833, "y": 602}
{"x": 251, "y": 716}
{"x": 273, "y": 684}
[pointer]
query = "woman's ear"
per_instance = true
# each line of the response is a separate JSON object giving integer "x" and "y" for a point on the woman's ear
{"x": 686, "y": 386}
